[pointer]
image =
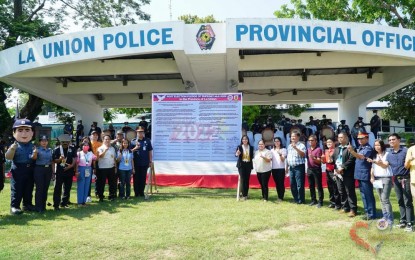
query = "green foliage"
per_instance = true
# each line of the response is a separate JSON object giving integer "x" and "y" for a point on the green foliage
{"x": 401, "y": 105}
{"x": 393, "y": 13}
{"x": 109, "y": 115}
{"x": 192, "y": 19}
{"x": 131, "y": 112}
{"x": 98, "y": 13}
{"x": 261, "y": 113}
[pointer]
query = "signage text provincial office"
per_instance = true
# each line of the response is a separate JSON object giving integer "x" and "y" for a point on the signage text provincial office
{"x": 323, "y": 35}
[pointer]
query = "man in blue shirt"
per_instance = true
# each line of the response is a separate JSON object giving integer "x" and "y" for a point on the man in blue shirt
{"x": 396, "y": 159}
{"x": 362, "y": 173}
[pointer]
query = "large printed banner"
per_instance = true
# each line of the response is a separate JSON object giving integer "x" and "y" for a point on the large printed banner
{"x": 194, "y": 138}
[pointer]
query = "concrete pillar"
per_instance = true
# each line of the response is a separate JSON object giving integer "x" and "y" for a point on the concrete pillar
{"x": 88, "y": 115}
{"x": 350, "y": 110}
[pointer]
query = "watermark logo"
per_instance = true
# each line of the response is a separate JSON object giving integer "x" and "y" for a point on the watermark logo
{"x": 205, "y": 37}
{"x": 370, "y": 235}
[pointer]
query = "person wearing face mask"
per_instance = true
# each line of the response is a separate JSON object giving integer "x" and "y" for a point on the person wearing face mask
{"x": 84, "y": 160}
{"x": 65, "y": 157}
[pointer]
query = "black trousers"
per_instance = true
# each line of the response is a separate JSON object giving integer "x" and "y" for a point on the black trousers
{"x": 279, "y": 176}
{"x": 314, "y": 177}
{"x": 402, "y": 186}
{"x": 103, "y": 175}
{"x": 62, "y": 179}
{"x": 245, "y": 175}
{"x": 334, "y": 195}
{"x": 347, "y": 193}
{"x": 263, "y": 179}
{"x": 21, "y": 184}
{"x": 42, "y": 177}
{"x": 139, "y": 179}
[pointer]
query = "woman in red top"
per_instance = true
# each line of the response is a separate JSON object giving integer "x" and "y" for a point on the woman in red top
{"x": 334, "y": 197}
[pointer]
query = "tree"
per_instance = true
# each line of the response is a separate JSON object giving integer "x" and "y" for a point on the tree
{"x": 26, "y": 19}
{"x": 192, "y": 19}
{"x": 393, "y": 13}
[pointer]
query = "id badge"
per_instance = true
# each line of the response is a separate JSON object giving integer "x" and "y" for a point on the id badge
{"x": 87, "y": 173}
{"x": 63, "y": 163}
{"x": 144, "y": 148}
{"x": 126, "y": 162}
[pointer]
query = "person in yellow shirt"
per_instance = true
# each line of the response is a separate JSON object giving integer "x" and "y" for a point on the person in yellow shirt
{"x": 410, "y": 161}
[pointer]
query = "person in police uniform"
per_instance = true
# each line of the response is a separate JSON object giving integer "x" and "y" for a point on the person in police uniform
{"x": 21, "y": 153}
{"x": 343, "y": 128}
{"x": 44, "y": 167}
{"x": 363, "y": 166}
{"x": 142, "y": 157}
{"x": 65, "y": 158}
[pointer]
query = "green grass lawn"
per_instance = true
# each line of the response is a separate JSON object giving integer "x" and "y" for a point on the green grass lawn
{"x": 185, "y": 223}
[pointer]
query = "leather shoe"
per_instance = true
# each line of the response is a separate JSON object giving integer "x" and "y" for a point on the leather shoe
{"x": 344, "y": 211}
{"x": 352, "y": 214}
{"x": 29, "y": 208}
{"x": 15, "y": 211}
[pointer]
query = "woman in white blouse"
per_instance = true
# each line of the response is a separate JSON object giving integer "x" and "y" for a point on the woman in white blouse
{"x": 263, "y": 166}
{"x": 381, "y": 177}
{"x": 279, "y": 153}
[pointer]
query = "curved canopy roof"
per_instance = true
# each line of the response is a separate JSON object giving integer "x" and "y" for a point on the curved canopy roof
{"x": 269, "y": 60}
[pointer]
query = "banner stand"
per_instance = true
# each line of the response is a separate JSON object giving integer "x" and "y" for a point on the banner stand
{"x": 151, "y": 181}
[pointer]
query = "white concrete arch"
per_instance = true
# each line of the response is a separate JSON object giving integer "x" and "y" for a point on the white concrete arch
{"x": 272, "y": 61}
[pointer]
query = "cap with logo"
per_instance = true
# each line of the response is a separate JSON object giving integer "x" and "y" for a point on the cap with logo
{"x": 43, "y": 137}
{"x": 22, "y": 123}
{"x": 362, "y": 135}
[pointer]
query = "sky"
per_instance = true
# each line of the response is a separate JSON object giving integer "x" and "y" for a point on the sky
{"x": 220, "y": 9}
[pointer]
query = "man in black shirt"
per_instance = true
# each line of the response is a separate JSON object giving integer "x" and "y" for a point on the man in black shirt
{"x": 65, "y": 158}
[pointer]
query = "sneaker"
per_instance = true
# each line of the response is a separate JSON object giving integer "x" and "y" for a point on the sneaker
{"x": 313, "y": 203}
{"x": 409, "y": 228}
{"x": 331, "y": 206}
{"x": 88, "y": 199}
{"x": 401, "y": 225}
{"x": 15, "y": 211}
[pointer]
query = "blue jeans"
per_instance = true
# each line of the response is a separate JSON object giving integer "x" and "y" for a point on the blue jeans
{"x": 297, "y": 180}
{"x": 83, "y": 183}
{"x": 125, "y": 183}
{"x": 384, "y": 194}
{"x": 369, "y": 203}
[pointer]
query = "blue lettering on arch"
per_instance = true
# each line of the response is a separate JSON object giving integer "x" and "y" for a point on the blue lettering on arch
{"x": 255, "y": 29}
{"x": 241, "y": 30}
{"x": 284, "y": 32}
{"x": 316, "y": 36}
{"x": 76, "y": 45}
{"x": 166, "y": 36}
{"x": 368, "y": 38}
{"x": 108, "y": 38}
{"x": 149, "y": 37}
{"x": 304, "y": 33}
{"x": 270, "y": 32}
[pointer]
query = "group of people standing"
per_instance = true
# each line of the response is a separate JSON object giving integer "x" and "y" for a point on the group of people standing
{"x": 371, "y": 167}
{"x": 112, "y": 161}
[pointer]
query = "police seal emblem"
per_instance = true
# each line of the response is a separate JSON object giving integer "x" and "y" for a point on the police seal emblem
{"x": 205, "y": 37}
